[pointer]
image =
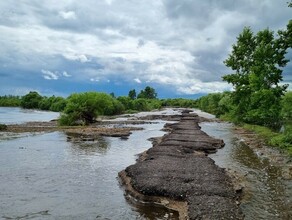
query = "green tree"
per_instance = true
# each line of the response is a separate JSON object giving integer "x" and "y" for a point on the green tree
{"x": 58, "y": 104}
{"x": 112, "y": 94}
{"x": 147, "y": 93}
{"x": 132, "y": 94}
{"x": 126, "y": 101}
{"x": 286, "y": 104}
{"x": 140, "y": 105}
{"x": 257, "y": 61}
{"x": 10, "y": 101}
{"x": 85, "y": 107}
{"x": 31, "y": 100}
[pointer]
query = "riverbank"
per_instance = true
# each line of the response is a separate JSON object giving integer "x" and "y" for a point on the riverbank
{"x": 177, "y": 173}
{"x": 258, "y": 144}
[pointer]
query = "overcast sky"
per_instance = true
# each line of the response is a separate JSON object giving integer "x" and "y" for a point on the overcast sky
{"x": 176, "y": 46}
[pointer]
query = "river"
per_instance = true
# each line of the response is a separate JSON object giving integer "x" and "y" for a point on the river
{"x": 18, "y": 115}
{"x": 43, "y": 176}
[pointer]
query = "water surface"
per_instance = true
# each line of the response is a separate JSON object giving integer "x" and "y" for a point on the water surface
{"x": 267, "y": 194}
{"x": 12, "y": 115}
{"x": 43, "y": 176}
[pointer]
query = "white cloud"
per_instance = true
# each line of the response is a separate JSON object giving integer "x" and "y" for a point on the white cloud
{"x": 181, "y": 43}
{"x": 50, "y": 75}
{"x": 66, "y": 74}
{"x": 197, "y": 86}
{"x": 137, "y": 80}
{"x": 94, "y": 80}
{"x": 68, "y": 15}
{"x": 83, "y": 58}
{"x": 71, "y": 55}
{"x": 109, "y": 2}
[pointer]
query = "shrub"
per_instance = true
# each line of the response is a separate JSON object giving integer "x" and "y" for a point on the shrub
{"x": 31, "y": 100}
{"x": 85, "y": 107}
{"x": 3, "y": 127}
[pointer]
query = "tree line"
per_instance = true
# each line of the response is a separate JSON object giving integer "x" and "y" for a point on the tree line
{"x": 84, "y": 108}
{"x": 10, "y": 101}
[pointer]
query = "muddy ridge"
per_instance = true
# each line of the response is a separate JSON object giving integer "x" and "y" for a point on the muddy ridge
{"x": 82, "y": 133}
{"x": 177, "y": 170}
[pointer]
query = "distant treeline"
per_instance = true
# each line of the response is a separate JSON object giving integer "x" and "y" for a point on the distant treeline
{"x": 84, "y": 108}
{"x": 10, "y": 101}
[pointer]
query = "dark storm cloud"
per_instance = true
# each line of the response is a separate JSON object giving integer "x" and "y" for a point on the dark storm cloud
{"x": 181, "y": 43}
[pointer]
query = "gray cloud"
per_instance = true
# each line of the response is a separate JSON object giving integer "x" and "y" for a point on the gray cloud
{"x": 168, "y": 42}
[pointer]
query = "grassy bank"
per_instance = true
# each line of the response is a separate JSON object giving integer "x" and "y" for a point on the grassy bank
{"x": 281, "y": 140}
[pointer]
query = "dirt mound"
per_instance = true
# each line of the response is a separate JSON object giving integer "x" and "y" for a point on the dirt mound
{"x": 177, "y": 167}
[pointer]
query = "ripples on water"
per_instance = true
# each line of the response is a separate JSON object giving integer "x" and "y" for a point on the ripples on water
{"x": 45, "y": 177}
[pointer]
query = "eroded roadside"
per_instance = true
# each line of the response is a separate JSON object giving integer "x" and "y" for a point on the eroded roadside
{"x": 178, "y": 174}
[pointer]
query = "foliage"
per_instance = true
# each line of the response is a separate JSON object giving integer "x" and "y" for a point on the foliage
{"x": 85, "y": 107}
{"x": 179, "y": 102}
{"x": 140, "y": 105}
{"x": 134, "y": 105}
{"x": 147, "y": 93}
{"x": 3, "y": 127}
{"x": 279, "y": 140}
{"x": 286, "y": 104}
{"x": 56, "y": 104}
{"x": 10, "y": 101}
{"x": 31, "y": 100}
{"x": 126, "y": 102}
{"x": 257, "y": 61}
{"x": 216, "y": 103}
{"x": 132, "y": 94}
{"x": 154, "y": 104}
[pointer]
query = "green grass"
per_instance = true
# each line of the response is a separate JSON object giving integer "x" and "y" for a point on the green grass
{"x": 130, "y": 111}
{"x": 282, "y": 141}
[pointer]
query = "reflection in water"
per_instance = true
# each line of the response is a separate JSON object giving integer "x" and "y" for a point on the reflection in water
{"x": 44, "y": 176}
{"x": 97, "y": 146}
{"x": 5, "y": 136}
{"x": 150, "y": 211}
{"x": 266, "y": 193}
{"x": 47, "y": 177}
